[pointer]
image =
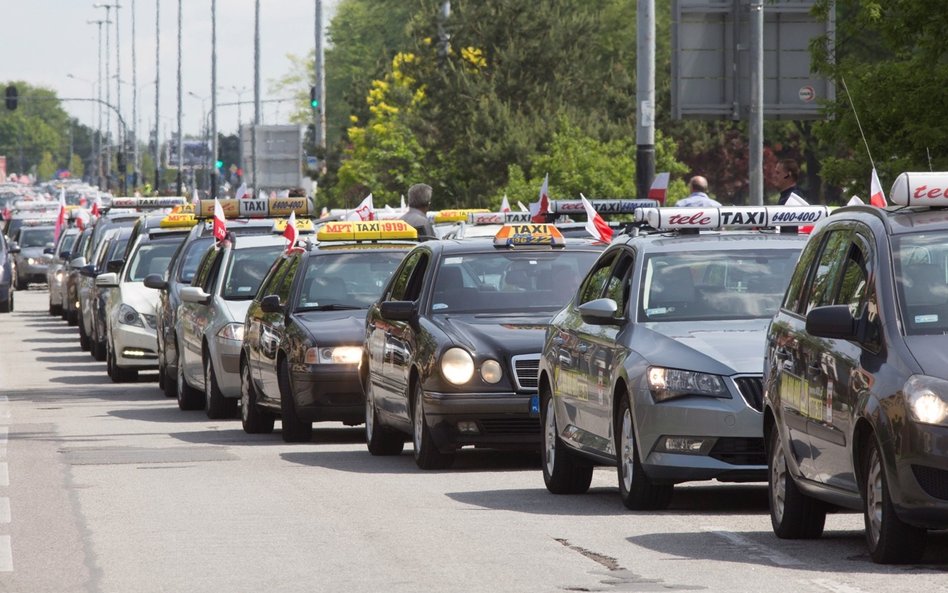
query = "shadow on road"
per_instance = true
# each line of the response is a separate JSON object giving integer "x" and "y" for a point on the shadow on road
{"x": 466, "y": 462}
{"x": 167, "y": 414}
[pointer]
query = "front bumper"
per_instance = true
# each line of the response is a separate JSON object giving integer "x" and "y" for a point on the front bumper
{"x": 135, "y": 347}
{"x": 227, "y": 368}
{"x": 489, "y": 420}
{"x": 34, "y": 274}
{"x": 920, "y": 490}
{"x": 328, "y": 392}
{"x": 55, "y": 282}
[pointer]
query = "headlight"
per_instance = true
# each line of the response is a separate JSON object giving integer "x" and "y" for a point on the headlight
{"x": 129, "y": 316}
{"x": 671, "y": 383}
{"x": 457, "y": 366}
{"x": 491, "y": 371}
{"x": 334, "y": 355}
{"x": 232, "y": 331}
{"x": 926, "y": 398}
{"x": 30, "y": 261}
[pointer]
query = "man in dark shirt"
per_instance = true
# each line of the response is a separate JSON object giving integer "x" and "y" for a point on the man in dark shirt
{"x": 419, "y": 200}
{"x": 787, "y": 171}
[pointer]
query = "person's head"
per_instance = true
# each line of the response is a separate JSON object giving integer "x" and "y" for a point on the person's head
{"x": 698, "y": 184}
{"x": 419, "y": 196}
{"x": 786, "y": 173}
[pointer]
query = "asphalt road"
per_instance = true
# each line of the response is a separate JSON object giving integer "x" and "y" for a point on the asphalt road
{"x": 110, "y": 488}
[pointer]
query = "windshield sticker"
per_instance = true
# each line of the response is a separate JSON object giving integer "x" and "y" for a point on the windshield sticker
{"x": 926, "y": 318}
{"x": 656, "y": 311}
{"x": 452, "y": 260}
{"x": 438, "y": 306}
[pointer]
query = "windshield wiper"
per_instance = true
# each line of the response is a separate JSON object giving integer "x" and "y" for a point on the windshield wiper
{"x": 330, "y": 307}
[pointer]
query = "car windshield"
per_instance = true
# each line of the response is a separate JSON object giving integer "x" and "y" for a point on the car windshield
{"x": 921, "y": 269}
{"x": 192, "y": 258}
{"x": 68, "y": 242}
{"x": 246, "y": 271}
{"x": 505, "y": 282}
{"x": 346, "y": 280}
{"x": 36, "y": 237}
{"x": 151, "y": 258}
{"x": 714, "y": 285}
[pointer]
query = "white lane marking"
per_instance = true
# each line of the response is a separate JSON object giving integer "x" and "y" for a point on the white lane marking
{"x": 836, "y": 586}
{"x": 6, "y": 554}
{"x": 4, "y": 509}
{"x": 4, "y": 438}
{"x": 754, "y": 548}
{"x": 4, "y": 474}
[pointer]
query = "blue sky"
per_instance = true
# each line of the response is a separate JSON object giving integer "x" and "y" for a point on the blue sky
{"x": 47, "y": 40}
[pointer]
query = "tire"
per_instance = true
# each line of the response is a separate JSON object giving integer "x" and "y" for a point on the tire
{"x": 189, "y": 398}
{"x": 427, "y": 455}
{"x": 72, "y": 317}
{"x": 293, "y": 428}
{"x": 170, "y": 384}
{"x": 55, "y": 309}
{"x": 793, "y": 514}
{"x": 379, "y": 439}
{"x": 890, "y": 540}
{"x": 118, "y": 374}
{"x": 254, "y": 419}
{"x": 84, "y": 342}
{"x": 7, "y": 305}
{"x": 563, "y": 471}
{"x": 636, "y": 489}
{"x": 215, "y": 404}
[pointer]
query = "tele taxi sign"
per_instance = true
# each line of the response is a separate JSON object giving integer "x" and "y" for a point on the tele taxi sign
{"x": 484, "y": 218}
{"x": 601, "y": 206}
{"x": 920, "y": 189}
{"x": 258, "y": 207}
{"x": 731, "y": 217}
{"x": 525, "y": 235}
{"x": 148, "y": 203}
{"x": 372, "y": 230}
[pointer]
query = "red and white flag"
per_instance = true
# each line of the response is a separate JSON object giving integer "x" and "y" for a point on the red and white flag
{"x": 364, "y": 211}
{"x": 195, "y": 199}
{"x": 61, "y": 217}
{"x": 241, "y": 191}
{"x": 542, "y": 207}
{"x": 659, "y": 189}
{"x": 220, "y": 223}
{"x": 595, "y": 224}
{"x": 855, "y": 201}
{"x": 290, "y": 231}
{"x": 504, "y": 204}
{"x": 876, "y": 197}
{"x": 95, "y": 205}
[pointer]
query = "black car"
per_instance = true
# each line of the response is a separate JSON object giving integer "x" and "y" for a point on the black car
{"x": 453, "y": 344}
{"x": 855, "y": 379}
{"x": 304, "y": 331}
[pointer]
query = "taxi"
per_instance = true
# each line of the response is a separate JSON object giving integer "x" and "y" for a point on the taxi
{"x": 6, "y": 276}
{"x": 55, "y": 270}
{"x": 855, "y": 374}
{"x": 111, "y": 248}
{"x": 304, "y": 331}
{"x": 654, "y": 366}
{"x": 69, "y": 292}
{"x": 30, "y": 240}
{"x": 453, "y": 343}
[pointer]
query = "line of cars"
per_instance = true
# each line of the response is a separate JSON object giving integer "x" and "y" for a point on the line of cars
{"x": 675, "y": 353}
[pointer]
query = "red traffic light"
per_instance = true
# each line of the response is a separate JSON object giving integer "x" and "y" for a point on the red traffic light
{"x": 12, "y": 97}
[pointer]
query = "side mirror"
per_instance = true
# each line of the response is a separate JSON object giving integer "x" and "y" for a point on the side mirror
{"x": 833, "y": 321}
{"x": 398, "y": 310}
{"x": 194, "y": 294}
{"x": 107, "y": 280}
{"x": 114, "y": 265}
{"x": 49, "y": 250}
{"x": 88, "y": 271}
{"x": 64, "y": 255}
{"x": 155, "y": 281}
{"x": 77, "y": 262}
{"x": 14, "y": 248}
{"x": 269, "y": 304}
{"x": 599, "y": 312}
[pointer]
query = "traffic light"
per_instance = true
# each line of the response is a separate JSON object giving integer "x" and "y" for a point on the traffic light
{"x": 313, "y": 101}
{"x": 12, "y": 97}
{"x": 219, "y": 163}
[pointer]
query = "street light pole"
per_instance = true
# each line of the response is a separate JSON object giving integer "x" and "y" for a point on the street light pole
{"x": 157, "y": 93}
{"x": 98, "y": 138}
{"x": 214, "y": 148}
{"x": 135, "y": 167}
{"x": 203, "y": 124}
{"x": 108, "y": 99}
{"x": 256, "y": 94}
{"x": 180, "y": 189}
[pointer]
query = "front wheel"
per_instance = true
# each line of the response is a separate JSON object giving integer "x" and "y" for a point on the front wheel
{"x": 254, "y": 419}
{"x": 293, "y": 429}
{"x": 427, "y": 455}
{"x": 189, "y": 398}
{"x": 637, "y": 490}
{"x": 793, "y": 514}
{"x": 379, "y": 439}
{"x": 563, "y": 471}
{"x": 216, "y": 405}
{"x": 84, "y": 342}
{"x": 890, "y": 540}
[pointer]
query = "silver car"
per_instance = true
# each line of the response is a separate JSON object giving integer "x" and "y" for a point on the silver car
{"x": 210, "y": 321}
{"x": 655, "y": 366}
{"x": 55, "y": 272}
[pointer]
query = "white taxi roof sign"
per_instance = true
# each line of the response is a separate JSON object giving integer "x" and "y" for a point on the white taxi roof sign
{"x": 485, "y": 218}
{"x": 920, "y": 189}
{"x": 147, "y": 203}
{"x": 731, "y": 217}
{"x": 370, "y": 230}
{"x": 258, "y": 207}
{"x": 601, "y": 206}
{"x": 528, "y": 235}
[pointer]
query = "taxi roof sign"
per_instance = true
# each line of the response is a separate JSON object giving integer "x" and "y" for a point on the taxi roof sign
{"x": 303, "y": 225}
{"x": 456, "y": 215}
{"x": 731, "y": 217}
{"x": 484, "y": 218}
{"x": 920, "y": 189}
{"x": 528, "y": 235}
{"x": 258, "y": 207}
{"x": 371, "y": 230}
{"x": 179, "y": 219}
{"x": 148, "y": 203}
{"x": 601, "y": 206}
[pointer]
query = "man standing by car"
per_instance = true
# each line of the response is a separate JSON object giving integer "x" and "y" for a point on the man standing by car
{"x": 699, "y": 195}
{"x": 419, "y": 200}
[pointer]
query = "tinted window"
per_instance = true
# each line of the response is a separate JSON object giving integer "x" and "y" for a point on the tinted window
{"x": 852, "y": 287}
{"x": 617, "y": 288}
{"x": 823, "y": 285}
{"x": 921, "y": 268}
{"x": 798, "y": 281}
{"x": 246, "y": 270}
{"x": 153, "y": 257}
{"x": 596, "y": 280}
{"x": 36, "y": 237}
{"x": 204, "y": 267}
{"x": 400, "y": 284}
{"x": 353, "y": 280}
{"x": 192, "y": 257}
{"x": 285, "y": 283}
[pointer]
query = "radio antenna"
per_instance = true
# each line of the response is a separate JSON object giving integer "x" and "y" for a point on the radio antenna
{"x": 858, "y": 124}
{"x": 929, "y": 153}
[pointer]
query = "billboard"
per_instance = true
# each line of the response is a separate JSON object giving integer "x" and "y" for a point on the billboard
{"x": 197, "y": 154}
{"x": 279, "y": 156}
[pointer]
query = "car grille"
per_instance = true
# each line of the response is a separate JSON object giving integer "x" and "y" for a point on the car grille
{"x": 752, "y": 390}
{"x": 526, "y": 371}
{"x": 933, "y": 481}
{"x": 739, "y": 451}
{"x": 510, "y": 426}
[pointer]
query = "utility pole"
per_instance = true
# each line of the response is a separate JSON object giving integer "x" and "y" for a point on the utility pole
{"x": 108, "y": 99}
{"x": 756, "y": 124}
{"x": 319, "y": 136}
{"x": 444, "y": 38}
{"x": 98, "y": 96}
{"x": 645, "y": 97}
{"x": 157, "y": 93}
{"x": 118, "y": 100}
{"x": 180, "y": 189}
{"x": 135, "y": 167}
{"x": 256, "y": 95}
{"x": 214, "y": 148}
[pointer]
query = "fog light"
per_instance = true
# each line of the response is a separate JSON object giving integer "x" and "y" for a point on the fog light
{"x": 684, "y": 445}
{"x": 468, "y": 427}
{"x": 133, "y": 353}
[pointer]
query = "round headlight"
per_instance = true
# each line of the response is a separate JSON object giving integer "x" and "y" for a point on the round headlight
{"x": 491, "y": 372}
{"x": 457, "y": 366}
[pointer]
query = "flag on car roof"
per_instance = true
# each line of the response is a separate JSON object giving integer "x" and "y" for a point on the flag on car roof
{"x": 290, "y": 231}
{"x": 542, "y": 207}
{"x": 504, "y": 204}
{"x": 659, "y": 189}
{"x": 876, "y": 197}
{"x": 596, "y": 224}
{"x": 220, "y": 223}
{"x": 241, "y": 191}
{"x": 61, "y": 217}
{"x": 364, "y": 211}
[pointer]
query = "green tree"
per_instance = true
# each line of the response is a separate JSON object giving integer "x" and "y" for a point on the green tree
{"x": 76, "y": 167}
{"x": 46, "y": 169}
{"x": 38, "y": 125}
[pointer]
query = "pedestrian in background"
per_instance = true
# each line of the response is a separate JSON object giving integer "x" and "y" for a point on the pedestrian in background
{"x": 419, "y": 200}
{"x": 699, "y": 197}
{"x": 787, "y": 171}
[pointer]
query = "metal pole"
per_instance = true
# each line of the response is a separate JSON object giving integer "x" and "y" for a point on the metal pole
{"x": 756, "y": 127}
{"x": 214, "y": 148}
{"x": 645, "y": 98}
{"x": 118, "y": 97}
{"x": 108, "y": 99}
{"x": 319, "y": 136}
{"x": 135, "y": 167}
{"x": 180, "y": 189}
{"x": 157, "y": 93}
{"x": 256, "y": 94}
{"x": 98, "y": 118}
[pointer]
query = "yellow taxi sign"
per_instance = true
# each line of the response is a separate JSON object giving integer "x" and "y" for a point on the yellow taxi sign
{"x": 457, "y": 215}
{"x": 178, "y": 220}
{"x": 374, "y": 230}
{"x": 303, "y": 225}
{"x": 523, "y": 235}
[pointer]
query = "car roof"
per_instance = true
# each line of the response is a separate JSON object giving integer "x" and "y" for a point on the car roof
{"x": 713, "y": 241}
{"x": 898, "y": 220}
{"x": 248, "y": 241}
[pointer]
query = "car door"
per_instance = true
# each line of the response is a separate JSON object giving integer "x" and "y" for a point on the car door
{"x": 189, "y": 328}
{"x": 253, "y": 324}
{"x": 272, "y": 331}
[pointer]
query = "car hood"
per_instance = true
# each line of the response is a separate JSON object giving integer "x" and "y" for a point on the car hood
{"x": 929, "y": 352}
{"x": 335, "y": 328}
{"x": 139, "y": 297}
{"x": 33, "y": 252}
{"x": 720, "y": 347}
{"x": 495, "y": 334}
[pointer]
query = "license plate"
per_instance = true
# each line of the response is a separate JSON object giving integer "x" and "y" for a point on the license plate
{"x": 535, "y": 406}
